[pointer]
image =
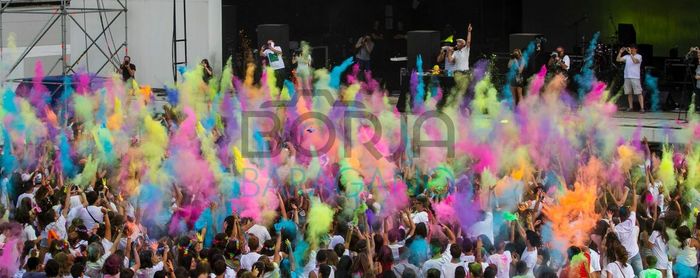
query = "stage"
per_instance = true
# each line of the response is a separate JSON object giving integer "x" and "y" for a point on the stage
{"x": 658, "y": 127}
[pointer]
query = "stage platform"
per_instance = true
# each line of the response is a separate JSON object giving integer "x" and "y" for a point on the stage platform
{"x": 658, "y": 127}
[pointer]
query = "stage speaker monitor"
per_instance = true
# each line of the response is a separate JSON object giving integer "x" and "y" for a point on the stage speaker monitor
{"x": 423, "y": 42}
{"x": 521, "y": 40}
{"x": 279, "y": 33}
{"x": 626, "y": 34}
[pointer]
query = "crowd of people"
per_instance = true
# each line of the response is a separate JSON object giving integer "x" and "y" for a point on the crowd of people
{"x": 99, "y": 187}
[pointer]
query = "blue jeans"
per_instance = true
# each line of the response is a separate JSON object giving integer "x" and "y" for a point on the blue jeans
{"x": 636, "y": 263}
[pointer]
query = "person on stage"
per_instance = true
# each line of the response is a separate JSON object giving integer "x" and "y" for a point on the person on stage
{"x": 445, "y": 53}
{"x": 364, "y": 48}
{"x": 460, "y": 55}
{"x": 559, "y": 61}
{"x": 632, "y": 74}
{"x": 272, "y": 54}
{"x": 517, "y": 84}
{"x": 697, "y": 71}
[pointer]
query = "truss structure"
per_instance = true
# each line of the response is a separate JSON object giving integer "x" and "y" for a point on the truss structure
{"x": 61, "y": 12}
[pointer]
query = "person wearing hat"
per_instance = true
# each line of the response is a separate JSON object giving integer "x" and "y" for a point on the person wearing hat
{"x": 633, "y": 65}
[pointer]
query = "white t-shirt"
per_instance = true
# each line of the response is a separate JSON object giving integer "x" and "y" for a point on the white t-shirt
{"x": 274, "y": 59}
{"x": 530, "y": 258}
{"x": 449, "y": 269}
{"x": 618, "y": 271}
{"x": 628, "y": 233}
{"x": 25, "y": 195}
{"x": 247, "y": 260}
{"x": 632, "y": 70}
{"x": 659, "y": 249}
{"x": 395, "y": 251}
{"x": 28, "y": 233}
{"x": 420, "y": 217}
{"x": 567, "y": 62}
{"x": 59, "y": 226}
{"x": 432, "y": 263}
{"x": 82, "y": 213}
{"x": 461, "y": 58}
{"x": 261, "y": 233}
{"x": 483, "y": 227}
{"x": 502, "y": 262}
{"x": 595, "y": 261}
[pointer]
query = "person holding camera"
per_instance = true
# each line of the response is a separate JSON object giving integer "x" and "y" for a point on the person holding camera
{"x": 207, "y": 71}
{"x": 364, "y": 47}
{"x": 127, "y": 69}
{"x": 559, "y": 61}
{"x": 446, "y": 52}
{"x": 632, "y": 74}
{"x": 272, "y": 57}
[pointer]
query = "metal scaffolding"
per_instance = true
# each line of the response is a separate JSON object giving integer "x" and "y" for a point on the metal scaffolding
{"x": 179, "y": 60}
{"x": 61, "y": 11}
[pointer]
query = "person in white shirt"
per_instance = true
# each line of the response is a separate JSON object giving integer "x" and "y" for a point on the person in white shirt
{"x": 633, "y": 65}
{"x": 90, "y": 215}
{"x": 272, "y": 55}
{"x": 618, "y": 267}
{"x": 260, "y": 232}
{"x": 658, "y": 240}
{"x": 460, "y": 55}
{"x": 529, "y": 256}
{"x": 449, "y": 268}
{"x": 502, "y": 259}
{"x": 628, "y": 233}
{"x": 248, "y": 259}
{"x": 560, "y": 62}
{"x": 444, "y": 56}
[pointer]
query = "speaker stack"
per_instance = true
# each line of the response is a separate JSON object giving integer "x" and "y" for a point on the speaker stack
{"x": 279, "y": 33}
{"x": 423, "y": 42}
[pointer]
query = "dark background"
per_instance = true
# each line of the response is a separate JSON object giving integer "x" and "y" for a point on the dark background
{"x": 337, "y": 24}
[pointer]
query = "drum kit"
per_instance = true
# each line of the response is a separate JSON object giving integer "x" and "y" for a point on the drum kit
{"x": 604, "y": 57}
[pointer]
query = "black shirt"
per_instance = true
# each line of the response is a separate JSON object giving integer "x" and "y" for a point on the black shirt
{"x": 125, "y": 73}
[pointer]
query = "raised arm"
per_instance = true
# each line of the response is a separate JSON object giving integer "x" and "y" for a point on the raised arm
{"x": 469, "y": 35}
{"x": 278, "y": 246}
{"x": 108, "y": 225}
{"x": 283, "y": 208}
{"x": 619, "y": 57}
{"x": 450, "y": 235}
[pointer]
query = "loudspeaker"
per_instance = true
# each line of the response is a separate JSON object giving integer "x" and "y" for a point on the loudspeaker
{"x": 626, "y": 34}
{"x": 279, "y": 33}
{"x": 423, "y": 42}
{"x": 521, "y": 40}
{"x": 229, "y": 31}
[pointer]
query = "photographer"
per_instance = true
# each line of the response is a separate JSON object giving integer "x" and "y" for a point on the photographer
{"x": 633, "y": 63}
{"x": 272, "y": 57}
{"x": 559, "y": 61}
{"x": 127, "y": 69}
{"x": 207, "y": 71}
{"x": 446, "y": 52}
{"x": 364, "y": 47}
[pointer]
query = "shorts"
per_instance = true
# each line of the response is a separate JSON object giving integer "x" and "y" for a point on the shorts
{"x": 633, "y": 85}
